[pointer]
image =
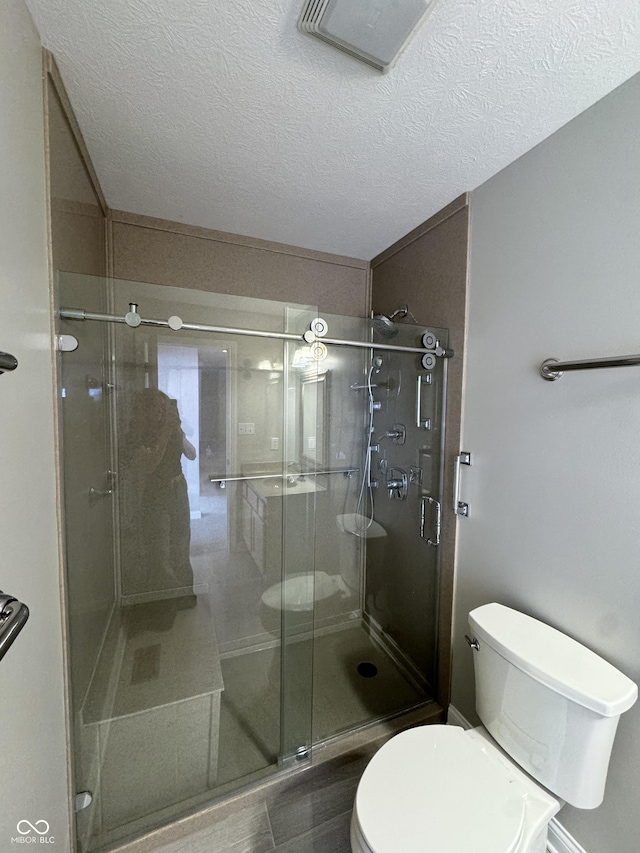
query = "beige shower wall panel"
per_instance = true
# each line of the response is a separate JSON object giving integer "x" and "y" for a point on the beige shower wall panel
{"x": 147, "y": 249}
{"x": 428, "y": 270}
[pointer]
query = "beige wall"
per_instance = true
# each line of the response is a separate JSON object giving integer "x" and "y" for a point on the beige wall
{"x": 555, "y": 486}
{"x": 428, "y": 270}
{"x": 32, "y": 734}
{"x": 147, "y": 249}
{"x": 77, "y": 218}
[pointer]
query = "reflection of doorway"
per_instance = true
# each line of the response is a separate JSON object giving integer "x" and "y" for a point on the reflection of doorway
{"x": 178, "y": 377}
{"x": 213, "y": 411}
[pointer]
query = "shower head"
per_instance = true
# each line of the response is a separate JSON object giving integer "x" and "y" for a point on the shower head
{"x": 385, "y": 326}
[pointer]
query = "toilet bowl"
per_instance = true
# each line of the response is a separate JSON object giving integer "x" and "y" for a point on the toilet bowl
{"x": 453, "y": 791}
{"x": 550, "y": 709}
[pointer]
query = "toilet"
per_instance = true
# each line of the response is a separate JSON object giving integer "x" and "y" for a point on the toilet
{"x": 549, "y": 707}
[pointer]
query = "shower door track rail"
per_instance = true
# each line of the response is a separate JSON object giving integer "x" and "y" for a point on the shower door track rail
{"x": 176, "y": 324}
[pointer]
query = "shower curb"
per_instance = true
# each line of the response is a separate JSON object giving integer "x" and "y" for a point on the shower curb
{"x": 363, "y": 740}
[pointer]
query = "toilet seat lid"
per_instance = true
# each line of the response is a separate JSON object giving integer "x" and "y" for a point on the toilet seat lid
{"x": 435, "y": 788}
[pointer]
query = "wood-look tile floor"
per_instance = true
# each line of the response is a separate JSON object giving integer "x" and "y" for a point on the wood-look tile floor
{"x": 311, "y": 814}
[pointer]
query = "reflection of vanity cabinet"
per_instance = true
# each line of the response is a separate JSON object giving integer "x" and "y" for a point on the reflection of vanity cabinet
{"x": 262, "y": 522}
{"x": 254, "y": 525}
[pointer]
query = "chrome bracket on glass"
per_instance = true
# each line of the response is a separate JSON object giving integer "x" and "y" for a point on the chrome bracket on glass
{"x": 422, "y": 379}
{"x": 423, "y": 503}
{"x": 397, "y": 484}
{"x": 459, "y": 507}
{"x": 415, "y": 475}
{"x": 66, "y": 343}
{"x": 13, "y": 615}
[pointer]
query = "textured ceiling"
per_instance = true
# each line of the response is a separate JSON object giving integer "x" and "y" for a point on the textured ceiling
{"x": 221, "y": 113}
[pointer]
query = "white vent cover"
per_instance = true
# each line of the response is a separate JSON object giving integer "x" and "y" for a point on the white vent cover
{"x": 374, "y": 31}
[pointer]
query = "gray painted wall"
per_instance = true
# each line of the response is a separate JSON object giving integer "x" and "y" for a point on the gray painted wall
{"x": 32, "y": 729}
{"x": 555, "y": 486}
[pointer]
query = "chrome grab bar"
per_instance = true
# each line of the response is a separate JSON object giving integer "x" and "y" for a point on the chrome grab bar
{"x": 459, "y": 507}
{"x": 13, "y": 615}
{"x": 423, "y": 501}
{"x": 422, "y": 379}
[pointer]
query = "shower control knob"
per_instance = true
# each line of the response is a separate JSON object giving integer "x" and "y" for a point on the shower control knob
{"x": 397, "y": 484}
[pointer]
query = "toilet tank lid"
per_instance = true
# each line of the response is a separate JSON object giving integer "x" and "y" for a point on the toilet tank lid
{"x": 553, "y": 659}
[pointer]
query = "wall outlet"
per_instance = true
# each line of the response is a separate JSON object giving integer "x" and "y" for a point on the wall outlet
{"x": 275, "y": 443}
{"x": 246, "y": 429}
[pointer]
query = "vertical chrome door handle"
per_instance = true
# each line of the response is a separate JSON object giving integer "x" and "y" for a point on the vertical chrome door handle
{"x": 459, "y": 507}
{"x": 423, "y": 379}
{"x": 423, "y": 503}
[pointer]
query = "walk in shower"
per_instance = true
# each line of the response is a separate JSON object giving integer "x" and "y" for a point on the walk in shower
{"x": 252, "y": 509}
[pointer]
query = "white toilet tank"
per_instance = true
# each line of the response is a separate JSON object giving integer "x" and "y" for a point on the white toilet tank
{"x": 549, "y": 702}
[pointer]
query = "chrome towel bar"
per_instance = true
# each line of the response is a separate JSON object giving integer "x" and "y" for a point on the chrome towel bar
{"x": 552, "y": 369}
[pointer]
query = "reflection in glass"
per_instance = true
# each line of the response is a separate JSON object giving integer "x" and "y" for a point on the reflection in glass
{"x": 158, "y": 518}
{"x": 219, "y": 628}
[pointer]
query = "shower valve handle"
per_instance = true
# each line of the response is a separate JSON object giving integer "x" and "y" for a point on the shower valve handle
{"x": 397, "y": 484}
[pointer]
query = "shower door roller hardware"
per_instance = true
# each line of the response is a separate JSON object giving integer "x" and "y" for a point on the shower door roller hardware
{"x": 132, "y": 318}
{"x": 459, "y": 507}
{"x": 7, "y": 362}
{"x": 66, "y": 343}
{"x": 397, "y": 484}
{"x": 422, "y": 379}
{"x": 13, "y": 615}
{"x": 423, "y": 504}
{"x": 428, "y": 361}
{"x": 473, "y": 643}
{"x": 319, "y": 327}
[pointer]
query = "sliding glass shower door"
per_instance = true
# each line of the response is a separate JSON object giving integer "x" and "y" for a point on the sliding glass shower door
{"x": 190, "y": 549}
{"x": 251, "y": 539}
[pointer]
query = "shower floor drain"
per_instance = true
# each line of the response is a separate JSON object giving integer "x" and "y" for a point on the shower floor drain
{"x": 367, "y": 670}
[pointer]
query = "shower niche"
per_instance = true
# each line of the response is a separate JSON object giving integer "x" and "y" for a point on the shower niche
{"x": 234, "y": 552}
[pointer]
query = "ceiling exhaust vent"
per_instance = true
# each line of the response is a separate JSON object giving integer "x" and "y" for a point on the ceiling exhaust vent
{"x": 375, "y": 31}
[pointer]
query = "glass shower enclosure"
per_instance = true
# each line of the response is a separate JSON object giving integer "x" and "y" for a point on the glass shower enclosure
{"x": 247, "y": 519}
